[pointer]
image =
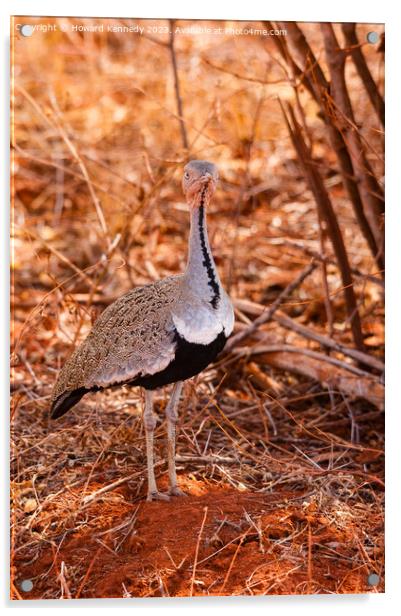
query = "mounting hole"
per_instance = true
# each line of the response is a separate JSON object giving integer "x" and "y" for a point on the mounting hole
{"x": 372, "y": 37}
{"x": 26, "y": 30}
{"x": 26, "y": 585}
{"x": 373, "y": 579}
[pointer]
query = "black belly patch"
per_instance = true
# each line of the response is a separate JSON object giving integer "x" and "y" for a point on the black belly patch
{"x": 190, "y": 359}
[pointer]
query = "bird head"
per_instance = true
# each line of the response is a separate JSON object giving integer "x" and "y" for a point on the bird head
{"x": 199, "y": 180}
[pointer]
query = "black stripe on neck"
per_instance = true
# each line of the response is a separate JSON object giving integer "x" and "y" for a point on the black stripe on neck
{"x": 213, "y": 284}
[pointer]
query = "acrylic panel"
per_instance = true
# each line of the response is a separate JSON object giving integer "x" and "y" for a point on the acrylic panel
{"x": 197, "y": 308}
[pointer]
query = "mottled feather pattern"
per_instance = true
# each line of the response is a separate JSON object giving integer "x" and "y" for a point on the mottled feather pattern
{"x": 133, "y": 336}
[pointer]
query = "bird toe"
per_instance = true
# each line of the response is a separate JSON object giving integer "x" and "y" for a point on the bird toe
{"x": 176, "y": 491}
{"x": 157, "y": 496}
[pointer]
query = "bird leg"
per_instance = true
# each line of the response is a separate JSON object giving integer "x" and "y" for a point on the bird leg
{"x": 149, "y": 421}
{"x": 172, "y": 416}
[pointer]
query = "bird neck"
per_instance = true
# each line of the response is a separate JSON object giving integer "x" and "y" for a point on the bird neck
{"x": 201, "y": 274}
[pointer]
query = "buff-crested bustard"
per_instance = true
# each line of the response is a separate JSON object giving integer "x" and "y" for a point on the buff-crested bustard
{"x": 157, "y": 334}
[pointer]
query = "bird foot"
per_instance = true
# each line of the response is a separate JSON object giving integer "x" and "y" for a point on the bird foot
{"x": 157, "y": 496}
{"x": 176, "y": 491}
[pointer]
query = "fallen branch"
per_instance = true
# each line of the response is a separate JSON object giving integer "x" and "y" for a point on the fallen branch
{"x": 207, "y": 459}
{"x": 91, "y": 497}
{"x": 267, "y": 315}
{"x": 311, "y": 334}
{"x": 327, "y": 342}
{"x": 65, "y": 590}
{"x": 330, "y": 376}
{"x": 287, "y": 348}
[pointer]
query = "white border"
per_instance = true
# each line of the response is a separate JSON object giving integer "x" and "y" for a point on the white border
{"x": 340, "y": 10}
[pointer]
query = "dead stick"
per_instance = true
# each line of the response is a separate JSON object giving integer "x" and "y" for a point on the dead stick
{"x": 325, "y": 206}
{"x": 370, "y": 189}
{"x": 310, "y": 566}
{"x": 355, "y": 51}
{"x": 87, "y": 574}
{"x": 60, "y": 256}
{"x": 98, "y": 207}
{"x": 234, "y": 558}
{"x": 197, "y": 551}
{"x": 313, "y": 253}
{"x": 334, "y": 379}
{"x": 177, "y": 86}
{"x": 206, "y": 459}
{"x": 311, "y": 334}
{"x": 286, "y": 348}
{"x": 63, "y": 582}
{"x": 319, "y": 87}
{"x": 325, "y": 341}
{"x": 91, "y": 497}
{"x": 266, "y": 316}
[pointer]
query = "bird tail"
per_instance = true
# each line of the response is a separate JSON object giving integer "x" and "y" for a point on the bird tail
{"x": 65, "y": 401}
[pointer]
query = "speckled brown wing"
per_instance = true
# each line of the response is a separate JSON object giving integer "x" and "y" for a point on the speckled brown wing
{"x": 134, "y": 336}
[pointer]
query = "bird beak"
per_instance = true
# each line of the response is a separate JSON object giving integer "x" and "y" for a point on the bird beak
{"x": 205, "y": 181}
{"x": 208, "y": 179}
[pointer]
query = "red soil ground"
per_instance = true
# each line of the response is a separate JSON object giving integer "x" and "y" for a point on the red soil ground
{"x": 250, "y": 543}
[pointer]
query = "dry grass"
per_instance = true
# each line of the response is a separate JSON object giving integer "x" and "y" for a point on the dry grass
{"x": 284, "y": 474}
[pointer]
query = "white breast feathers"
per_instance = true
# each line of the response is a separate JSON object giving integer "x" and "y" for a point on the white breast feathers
{"x": 198, "y": 322}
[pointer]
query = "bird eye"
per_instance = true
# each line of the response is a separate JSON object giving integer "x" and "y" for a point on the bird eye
{"x": 186, "y": 175}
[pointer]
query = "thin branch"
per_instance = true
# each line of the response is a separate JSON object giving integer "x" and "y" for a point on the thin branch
{"x": 191, "y": 591}
{"x": 318, "y": 368}
{"x": 355, "y": 271}
{"x": 370, "y": 190}
{"x": 87, "y": 574}
{"x": 325, "y": 206}
{"x": 311, "y": 334}
{"x": 84, "y": 171}
{"x": 222, "y": 69}
{"x": 287, "y": 348}
{"x": 266, "y": 316}
{"x": 355, "y": 51}
{"x": 319, "y": 88}
{"x": 177, "y": 86}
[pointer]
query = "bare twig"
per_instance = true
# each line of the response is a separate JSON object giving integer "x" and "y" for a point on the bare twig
{"x": 266, "y": 316}
{"x": 87, "y": 574}
{"x": 226, "y": 578}
{"x": 287, "y": 348}
{"x": 312, "y": 334}
{"x": 355, "y": 51}
{"x": 59, "y": 256}
{"x": 330, "y": 376}
{"x": 325, "y": 206}
{"x": 91, "y": 497}
{"x": 191, "y": 590}
{"x": 313, "y": 253}
{"x": 319, "y": 88}
{"x": 370, "y": 190}
{"x": 69, "y": 143}
{"x": 222, "y": 69}
{"x": 177, "y": 86}
{"x": 65, "y": 590}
